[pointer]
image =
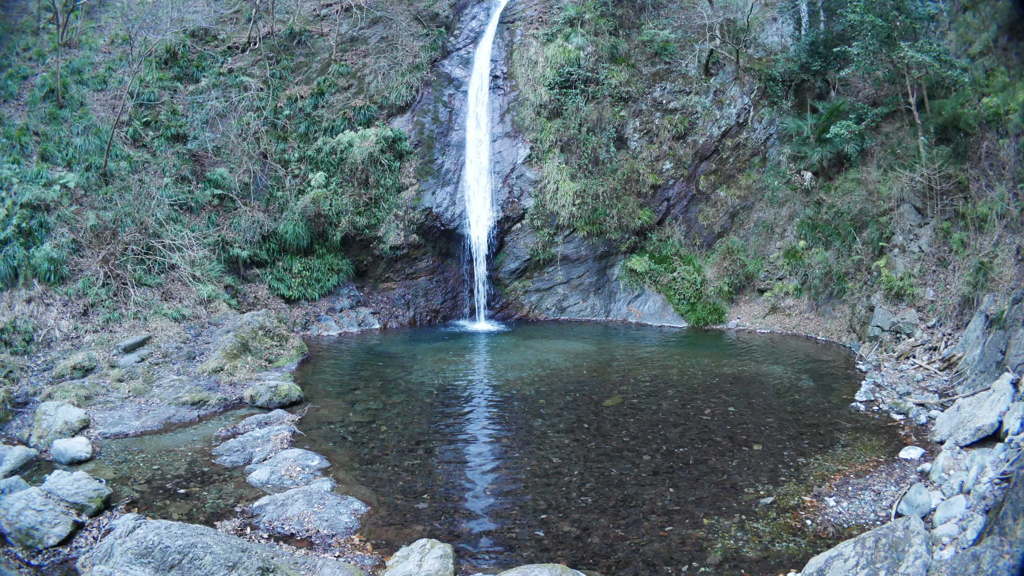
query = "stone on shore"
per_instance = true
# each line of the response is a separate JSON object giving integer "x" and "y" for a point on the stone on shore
{"x": 950, "y": 510}
{"x": 14, "y": 457}
{"x": 309, "y": 512}
{"x": 285, "y": 470}
{"x": 141, "y": 547}
{"x": 424, "y": 557}
{"x": 541, "y": 570}
{"x": 55, "y": 419}
{"x": 899, "y": 548}
{"x": 273, "y": 394}
{"x": 79, "y": 490}
{"x": 33, "y": 519}
{"x": 12, "y": 485}
{"x": 975, "y": 417}
{"x": 69, "y": 451}
{"x": 255, "y": 446}
{"x": 133, "y": 343}
{"x": 916, "y": 502}
{"x": 911, "y": 453}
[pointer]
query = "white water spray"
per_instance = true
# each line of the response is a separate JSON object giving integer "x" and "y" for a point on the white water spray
{"x": 476, "y": 172}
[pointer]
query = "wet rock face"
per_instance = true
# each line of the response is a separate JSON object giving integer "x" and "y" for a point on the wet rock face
{"x": 582, "y": 283}
{"x": 900, "y": 548}
{"x": 437, "y": 122}
{"x": 142, "y": 547}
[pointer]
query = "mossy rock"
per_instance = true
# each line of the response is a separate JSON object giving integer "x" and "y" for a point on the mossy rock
{"x": 77, "y": 392}
{"x": 273, "y": 394}
{"x": 55, "y": 420}
{"x": 78, "y": 365}
{"x": 199, "y": 398}
{"x": 253, "y": 342}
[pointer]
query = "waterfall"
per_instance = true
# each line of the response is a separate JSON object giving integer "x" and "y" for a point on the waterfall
{"x": 476, "y": 172}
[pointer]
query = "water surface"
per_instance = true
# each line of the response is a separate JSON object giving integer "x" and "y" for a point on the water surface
{"x": 606, "y": 447}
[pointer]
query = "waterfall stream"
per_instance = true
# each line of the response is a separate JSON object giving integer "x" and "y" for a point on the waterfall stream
{"x": 476, "y": 174}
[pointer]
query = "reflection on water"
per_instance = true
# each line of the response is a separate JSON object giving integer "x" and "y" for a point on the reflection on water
{"x": 600, "y": 446}
{"x": 479, "y": 445}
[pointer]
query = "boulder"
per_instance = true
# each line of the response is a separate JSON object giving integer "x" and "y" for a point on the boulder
{"x": 55, "y": 420}
{"x": 975, "y": 417}
{"x": 950, "y": 510}
{"x": 424, "y": 557}
{"x": 31, "y": 518}
{"x": 256, "y": 421}
{"x": 78, "y": 489}
{"x": 14, "y": 457}
{"x": 286, "y": 470}
{"x": 71, "y": 450}
{"x": 12, "y": 485}
{"x": 252, "y": 342}
{"x": 254, "y": 446}
{"x": 141, "y": 547}
{"x": 916, "y": 502}
{"x": 273, "y": 394}
{"x": 911, "y": 453}
{"x": 309, "y": 512}
{"x": 899, "y": 548}
{"x": 78, "y": 365}
{"x": 129, "y": 360}
{"x": 133, "y": 343}
{"x": 541, "y": 570}
{"x": 1013, "y": 421}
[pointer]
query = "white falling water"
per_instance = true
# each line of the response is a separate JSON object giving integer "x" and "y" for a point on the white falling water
{"x": 476, "y": 172}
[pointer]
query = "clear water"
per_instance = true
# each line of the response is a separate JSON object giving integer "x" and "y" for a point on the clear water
{"x": 605, "y": 447}
{"x": 476, "y": 175}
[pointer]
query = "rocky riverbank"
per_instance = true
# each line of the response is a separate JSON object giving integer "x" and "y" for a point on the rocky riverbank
{"x": 950, "y": 499}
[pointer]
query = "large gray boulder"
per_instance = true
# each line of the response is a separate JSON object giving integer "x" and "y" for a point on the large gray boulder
{"x": 78, "y": 489}
{"x": 71, "y": 450}
{"x": 288, "y": 469}
{"x": 33, "y": 519}
{"x": 14, "y": 457}
{"x": 312, "y": 511}
{"x": 541, "y": 570}
{"x": 899, "y": 548}
{"x": 254, "y": 446}
{"x": 55, "y": 420}
{"x": 975, "y": 417}
{"x": 255, "y": 422}
{"x": 424, "y": 557}
{"x": 140, "y": 547}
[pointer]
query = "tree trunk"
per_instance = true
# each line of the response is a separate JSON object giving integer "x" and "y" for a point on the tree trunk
{"x": 805, "y": 19}
{"x": 912, "y": 102}
{"x": 821, "y": 15}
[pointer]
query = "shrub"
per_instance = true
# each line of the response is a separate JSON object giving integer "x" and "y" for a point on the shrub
{"x": 736, "y": 268}
{"x": 680, "y": 277}
{"x": 17, "y": 335}
{"x": 307, "y": 277}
